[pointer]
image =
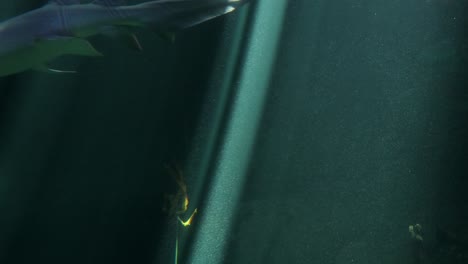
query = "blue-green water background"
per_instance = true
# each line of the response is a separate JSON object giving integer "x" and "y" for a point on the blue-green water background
{"x": 362, "y": 134}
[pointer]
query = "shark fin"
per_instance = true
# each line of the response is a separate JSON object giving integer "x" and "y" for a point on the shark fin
{"x": 83, "y": 47}
{"x": 130, "y": 39}
{"x": 43, "y": 68}
{"x": 109, "y": 2}
{"x": 134, "y": 42}
{"x": 65, "y": 2}
{"x": 74, "y": 46}
{"x": 60, "y": 71}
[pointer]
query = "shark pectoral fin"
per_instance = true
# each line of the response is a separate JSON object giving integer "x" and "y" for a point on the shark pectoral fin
{"x": 79, "y": 46}
{"x": 59, "y": 45}
{"x": 43, "y": 68}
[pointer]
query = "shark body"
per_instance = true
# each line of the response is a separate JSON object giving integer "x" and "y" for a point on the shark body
{"x": 31, "y": 40}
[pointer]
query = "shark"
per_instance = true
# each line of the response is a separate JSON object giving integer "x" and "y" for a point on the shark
{"x": 32, "y": 40}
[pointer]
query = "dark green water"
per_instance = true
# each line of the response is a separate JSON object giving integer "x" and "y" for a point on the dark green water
{"x": 320, "y": 143}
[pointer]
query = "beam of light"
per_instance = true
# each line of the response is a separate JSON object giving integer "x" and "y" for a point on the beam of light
{"x": 214, "y": 227}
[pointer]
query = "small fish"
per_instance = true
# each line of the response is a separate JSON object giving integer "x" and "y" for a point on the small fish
{"x": 61, "y": 27}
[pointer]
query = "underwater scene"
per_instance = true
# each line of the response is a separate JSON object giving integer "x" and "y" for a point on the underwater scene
{"x": 234, "y": 131}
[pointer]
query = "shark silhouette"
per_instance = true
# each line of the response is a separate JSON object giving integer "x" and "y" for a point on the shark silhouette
{"x": 61, "y": 27}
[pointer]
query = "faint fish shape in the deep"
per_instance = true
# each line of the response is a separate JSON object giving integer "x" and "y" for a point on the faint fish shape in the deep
{"x": 31, "y": 40}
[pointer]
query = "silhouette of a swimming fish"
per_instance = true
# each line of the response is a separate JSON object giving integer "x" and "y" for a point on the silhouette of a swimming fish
{"x": 31, "y": 40}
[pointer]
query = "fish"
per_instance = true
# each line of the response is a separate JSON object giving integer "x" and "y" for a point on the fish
{"x": 33, "y": 39}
